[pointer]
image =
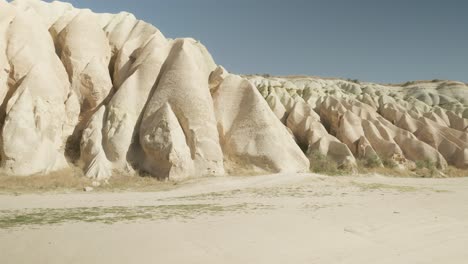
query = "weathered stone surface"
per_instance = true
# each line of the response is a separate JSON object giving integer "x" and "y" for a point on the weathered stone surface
{"x": 167, "y": 154}
{"x": 416, "y": 122}
{"x": 95, "y": 162}
{"x": 111, "y": 93}
{"x": 183, "y": 84}
{"x": 252, "y": 137}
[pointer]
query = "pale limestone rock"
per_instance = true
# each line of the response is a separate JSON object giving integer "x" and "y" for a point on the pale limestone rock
{"x": 167, "y": 154}
{"x": 27, "y": 148}
{"x": 184, "y": 85}
{"x": 118, "y": 28}
{"x": 386, "y": 125}
{"x": 457, "y": 122}
{"x": 93, "y": 157}
{"x": 37, "y": 89}
{"x": 252, "y": 138}
{"x": 277, "y": 107}
{"x": 48, "y": 13}
{"x": 216, "y": 78}
{"x": 86, "y": 54}
{"x": 5, "y": 69}
{"x": 125, "y": 59}
{"x": 312, "y": 136}
{"x": 137, "y": 101}
{"x": 126, "y": 105}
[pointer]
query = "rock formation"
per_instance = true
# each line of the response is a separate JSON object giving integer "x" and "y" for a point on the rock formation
{"x": 416, "y": 121}
{"x": 110, "y": 93}
{"x": 252, "y": 138}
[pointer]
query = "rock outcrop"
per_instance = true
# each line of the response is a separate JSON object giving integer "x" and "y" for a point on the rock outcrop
{"x": 253, "y": 139}
{"x": 416, "y": 121}
{"x": 110, "y": 93}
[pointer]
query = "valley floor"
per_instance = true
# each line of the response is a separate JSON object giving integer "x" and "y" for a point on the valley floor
{"x": 294, "y": 218}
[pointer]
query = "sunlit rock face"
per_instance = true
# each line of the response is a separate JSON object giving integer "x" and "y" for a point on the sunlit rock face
{"x": 416, "y": 121}
{"x": 109, "y": 93}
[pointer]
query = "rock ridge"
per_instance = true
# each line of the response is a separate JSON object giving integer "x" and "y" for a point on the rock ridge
{"x": 109, "y": 93}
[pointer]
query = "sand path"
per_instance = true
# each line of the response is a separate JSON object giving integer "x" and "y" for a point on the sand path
{"x": 297, "y": 218}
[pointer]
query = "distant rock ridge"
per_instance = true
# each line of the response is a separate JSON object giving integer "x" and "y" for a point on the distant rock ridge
{"x": 109, "y": 93}
{"x": 417, "y": 121}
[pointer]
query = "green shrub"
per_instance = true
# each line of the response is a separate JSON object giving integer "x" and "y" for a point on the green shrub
{"x": 409, "y": 83}
{"x": 372, "y": 162}
{"x": 320, "y": 163}
{"x": 426, "y": 168}
{"x": 356, "y": 81}
{"x": 389, "y": 163}
{"x": 425, "y": 164}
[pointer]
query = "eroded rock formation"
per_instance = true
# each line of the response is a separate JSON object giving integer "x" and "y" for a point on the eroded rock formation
{"x": 110, "y": 93}
{"x": 416, "y": 121}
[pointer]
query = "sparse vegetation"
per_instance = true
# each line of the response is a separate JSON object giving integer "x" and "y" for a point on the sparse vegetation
{"x": 73, "y": 180}
{"x": 64, "y": 180}
{"x": 382, "y": 186}
{"x": 426, "y": 169}
{"x": 455, "y": 172}
{"x": 372, "y": 161}
{"x": 423, "y": 169}
{"x": 389, "y": 163}
{"x": 110, "y": 215}
{"x": 356, "y": 81}
{"x": 374, "y": 165}
{"x": 119, "y": 182}
{"x": 266, "y": 192}
{"x": 409, "y": 83}
{"x": 427, "y": 164}
{"x": 322, "y": 164}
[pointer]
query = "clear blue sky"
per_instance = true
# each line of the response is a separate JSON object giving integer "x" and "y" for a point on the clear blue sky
{"x": 373, "y": 40}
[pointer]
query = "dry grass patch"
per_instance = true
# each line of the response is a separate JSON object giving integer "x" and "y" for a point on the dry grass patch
{"x": 73, "y": 180}
{"x": 385, "y": 171}
{"x": 383, "y": 186}
{"x": 64, "y": 181}
{"x": 423, "y": 169}
{"x": 455, "y": 172}
{"x": 322, "y": 164}
{"x": 120, "y": 182}
{"x": 115, "y": 214}
{"x": 404, "y": 173}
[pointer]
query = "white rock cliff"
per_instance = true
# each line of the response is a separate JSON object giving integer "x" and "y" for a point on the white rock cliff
{"x": 110, "y": 93}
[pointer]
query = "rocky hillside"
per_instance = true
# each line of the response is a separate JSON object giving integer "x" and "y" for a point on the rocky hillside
{"x": 397, "y": 124}
{"x": 110, "y": 93}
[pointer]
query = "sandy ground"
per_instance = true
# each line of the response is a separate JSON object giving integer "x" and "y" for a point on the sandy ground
{"x": 299, "y": 218}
